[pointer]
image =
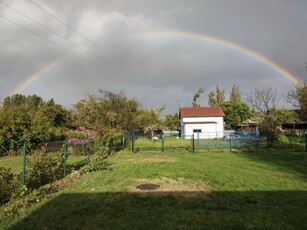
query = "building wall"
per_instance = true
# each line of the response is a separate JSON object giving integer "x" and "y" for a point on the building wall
{"x": 215, "y": 130}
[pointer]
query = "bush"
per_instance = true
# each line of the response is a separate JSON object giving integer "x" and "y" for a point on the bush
{"x": 7, "y": 185}
{"x": 282, "y": 139}
{"x": 96, "y": 163}
{"x": 45, "y": 169}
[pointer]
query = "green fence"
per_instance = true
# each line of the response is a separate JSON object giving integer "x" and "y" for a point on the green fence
{"x": 67, "y": 155}
{"x": 228, "y": 140}
{"x": 141, "y": 143}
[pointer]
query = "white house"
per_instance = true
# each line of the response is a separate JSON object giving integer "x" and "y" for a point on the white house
{"x": 203, "y": 122}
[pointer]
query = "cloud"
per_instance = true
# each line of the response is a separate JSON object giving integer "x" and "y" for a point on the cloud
{"x": 112, "y": 54}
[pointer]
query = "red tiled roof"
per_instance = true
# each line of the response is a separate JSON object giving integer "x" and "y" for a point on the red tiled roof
{"x": 201, "y": 112}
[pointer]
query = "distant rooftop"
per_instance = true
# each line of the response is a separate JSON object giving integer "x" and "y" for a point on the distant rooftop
{"x": 201, "y": 112}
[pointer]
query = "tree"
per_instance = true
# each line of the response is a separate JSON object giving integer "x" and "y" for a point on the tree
{"x": 52, "y": 115}
{"x": 107, "y": 113}
{"x": 148, "y": 119}
{"x": 235, "y": 94}
{"x": 220, "y": 96}
{"x": 235, "y": 113}
{"x": 172, "y": 121}
{"x": 216, "y": 98}
{"x": 212, "y": 99}
{"x": 196, "y": 96}
{"x": 30, "y": 119}
{"x": 263, "y": 99}
{"x": 298, "y": 98}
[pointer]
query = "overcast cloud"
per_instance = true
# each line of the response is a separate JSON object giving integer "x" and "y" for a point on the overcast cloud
{"x": 115, "y": 48}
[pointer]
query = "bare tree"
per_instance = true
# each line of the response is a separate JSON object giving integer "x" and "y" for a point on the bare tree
{"x": 263, "y": 99}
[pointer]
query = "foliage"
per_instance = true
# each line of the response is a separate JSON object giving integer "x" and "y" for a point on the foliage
{"x": 236, "y": 112}
{"x": 216, "y": 98}
{"x": 220, "y": 96}
{"x": 270, "y": 122}
{"x": 7, "y": 184}
{"x": 235, "y": 94}
{"x": 31, "y": 120}
{"x": 44, "y": 169}
{"x": 212, "y": 99}
{"x": 282, "y": 139}
{"x": 97, "y": 162}
{"x": 172, "y": 121}
{"x": 263, "y": 100}
{"x": 107, "y": 112}
{"x": 148, "y": 119}
{"x": 298, "y": 98}
{"x": 196, "y": 96}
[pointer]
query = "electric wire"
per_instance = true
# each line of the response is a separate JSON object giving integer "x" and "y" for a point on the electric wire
{"x": 52, "y": 42}
{"x": 86, "y": 38}
{"x": 63, "y": 38}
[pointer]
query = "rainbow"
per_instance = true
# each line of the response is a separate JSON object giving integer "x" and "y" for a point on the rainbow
{"x": 219, "y": 41}
{"x": 37, "y": 74}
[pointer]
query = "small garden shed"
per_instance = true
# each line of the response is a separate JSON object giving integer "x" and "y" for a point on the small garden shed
{"x": 204, "y": 122}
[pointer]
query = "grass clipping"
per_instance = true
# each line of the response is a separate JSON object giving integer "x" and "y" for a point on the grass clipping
{"x": 168, "y": 185}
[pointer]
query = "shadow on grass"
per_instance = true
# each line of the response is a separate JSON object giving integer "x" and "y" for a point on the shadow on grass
{"x": 174, "y": 210}
{"x": 285, "y": 159}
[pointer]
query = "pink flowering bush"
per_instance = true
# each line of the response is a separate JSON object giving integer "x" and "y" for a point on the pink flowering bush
{"x": 76, "y": 142}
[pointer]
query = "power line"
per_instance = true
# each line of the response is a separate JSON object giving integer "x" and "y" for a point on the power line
{"x": 59, "y": 35}
{"x": 83, "y": 36}
{"x": 50, "y": 41}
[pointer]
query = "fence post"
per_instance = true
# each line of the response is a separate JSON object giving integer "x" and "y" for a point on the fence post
{"x": 230, "y": 140}
{"x": 124, "y": 138}
{"x": 193, "y": 144}
{"x": 24, "y": 150}
{"x": 88, "y": 149}
{"x": 162, "y": 144}
{"x": 306, "y": 142}
{"x": 132, "y": 144}
{"x": 65, "y": 157}
{"x": 198, "y": 139}
{"x": 257, "y": 137}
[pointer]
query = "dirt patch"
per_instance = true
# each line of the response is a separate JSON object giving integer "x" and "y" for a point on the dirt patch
{"x": 167, "y": 185}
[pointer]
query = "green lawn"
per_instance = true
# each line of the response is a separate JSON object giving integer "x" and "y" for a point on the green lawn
{"x": 214, "y": 190}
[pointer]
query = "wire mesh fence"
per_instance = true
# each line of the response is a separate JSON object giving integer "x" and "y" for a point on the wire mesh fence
{"x": 227, "y": 140}
{"x": 65, "y": 156}
{"x": 196, "y": 142}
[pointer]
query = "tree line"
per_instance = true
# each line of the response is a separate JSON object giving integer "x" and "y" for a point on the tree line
{"x": 106, "y": 114}
{"x": 260, "y": 106}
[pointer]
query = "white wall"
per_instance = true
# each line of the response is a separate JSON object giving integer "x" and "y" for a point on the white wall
{"x": 207, "y": 130}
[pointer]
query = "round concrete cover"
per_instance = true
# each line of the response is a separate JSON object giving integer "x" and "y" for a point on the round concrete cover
{"x": 148, "y": 186}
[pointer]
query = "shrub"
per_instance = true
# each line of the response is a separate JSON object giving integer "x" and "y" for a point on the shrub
{"x": 282, "y": 139}
{"x": 7, "y": 185}
{"x": 96, "y": 163}
{"x": 45, "y": 169}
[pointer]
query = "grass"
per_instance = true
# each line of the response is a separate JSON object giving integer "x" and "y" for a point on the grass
{"x": 174, "y": 143}
{"x": 215, "y": 190}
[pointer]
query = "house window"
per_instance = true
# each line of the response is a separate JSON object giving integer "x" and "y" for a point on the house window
{"x": 196, "y": 130}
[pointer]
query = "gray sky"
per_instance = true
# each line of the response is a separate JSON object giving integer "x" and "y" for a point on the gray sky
{"x": 127, "y": 45}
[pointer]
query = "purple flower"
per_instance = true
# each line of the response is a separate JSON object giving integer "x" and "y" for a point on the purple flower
{"x": 76, "y": 142}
